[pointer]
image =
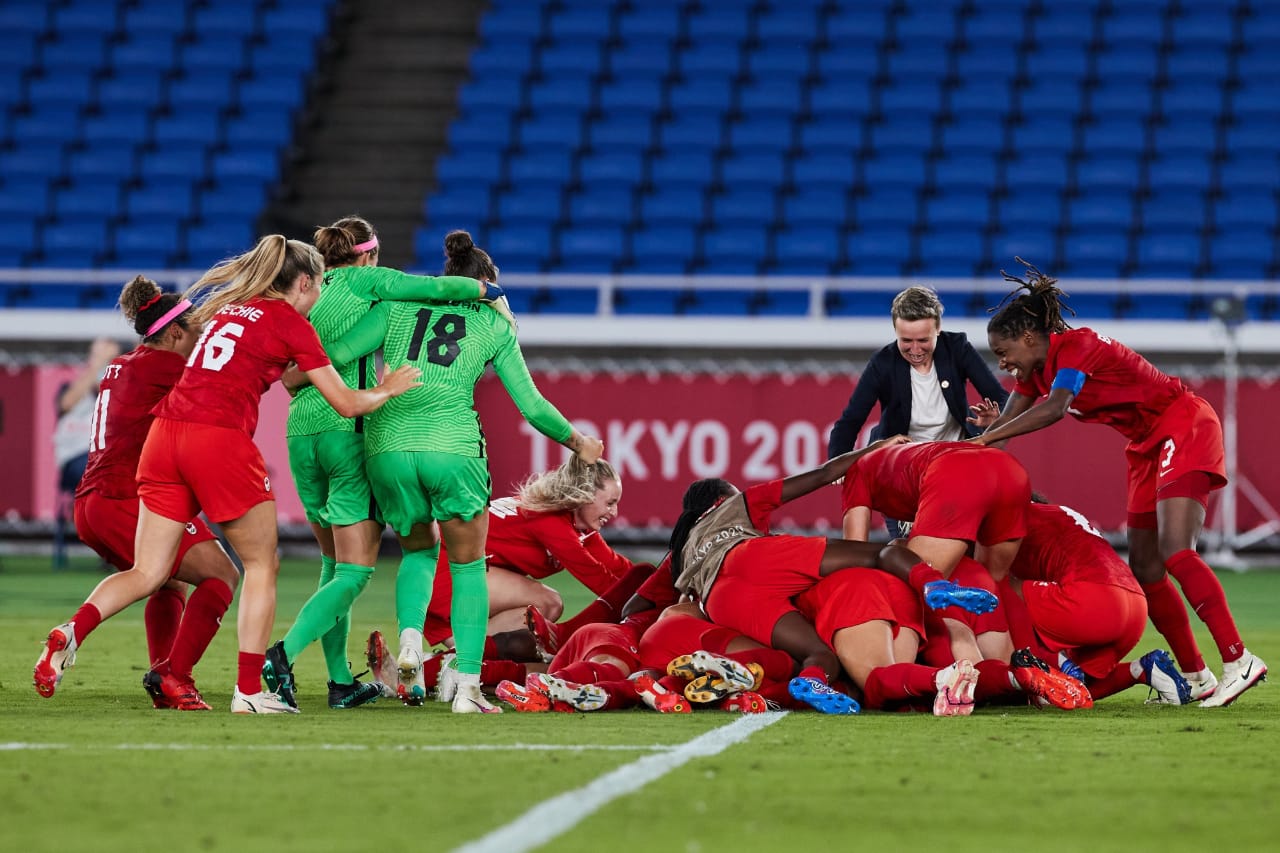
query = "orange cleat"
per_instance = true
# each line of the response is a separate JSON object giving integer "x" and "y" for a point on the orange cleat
{"x": 659, "y": 698}
{"x": 522, "y": 698}
{"x": 168, "y": 691}
{"x": 747, "y": 702}
{"x": 1054, "y": 687}
{"x": 58, "y": 656}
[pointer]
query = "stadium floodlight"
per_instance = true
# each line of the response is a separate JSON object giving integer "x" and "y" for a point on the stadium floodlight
{"x": 1229, "y": 312}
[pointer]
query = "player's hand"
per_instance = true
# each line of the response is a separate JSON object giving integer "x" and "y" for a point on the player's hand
{"x": 400, "y": 380}
{"x": 492, "y": 292}
{"x": 293, "y": 379}
{"x": 891, "y": 441}
{"x": 984, "y": 414}
{"x": 588, "y": 448}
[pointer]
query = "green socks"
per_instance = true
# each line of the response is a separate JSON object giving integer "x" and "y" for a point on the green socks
{"x": 470, "y": 615}
{"x": 414, "y": 579}
{"x": 328, "y": 611}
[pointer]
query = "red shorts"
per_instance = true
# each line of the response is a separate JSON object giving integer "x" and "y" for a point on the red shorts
{"x": 1095, "y": 624}
{"x": 968, "y": 572}
{"x": 186, "y": 468}
{"x": 855, "y": 596}
{"x": 438, "y": 626}
{"x": 617, "y": 641}
{"x": 978, "y": 497}
{"x": 672, "y": 636}
{"x": 107, "y": 525}
{"x": 1186, "y": 438}
{"x": 758, "y": 580}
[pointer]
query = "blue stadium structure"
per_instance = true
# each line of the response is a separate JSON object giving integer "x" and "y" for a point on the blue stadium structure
{"x": 921, "y": 138}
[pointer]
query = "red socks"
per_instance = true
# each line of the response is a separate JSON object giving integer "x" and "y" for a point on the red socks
{"x": 1204, "y": 592}
{"x": 1169, "y": 615}
{"x": 622, "y": 694}
{"x": 994, "y": 680}
{"x": 921, "y": 574}
{"x": 815, "y": 672}
{"x": 249, "y": 672}
{"x": 777, "y": 665}
{"x": 87, "y": 618}
{"x": 161, "y": 617}
{"x": 208, "y": 602}
{"x": 897, "y": 682}
{"x": 1113, "y": 682}
{"x": 590, "y": 672}
{"x": 491, "y": 671}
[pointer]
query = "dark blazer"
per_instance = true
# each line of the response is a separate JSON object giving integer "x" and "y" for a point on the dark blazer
{"x": 887, "y": 380}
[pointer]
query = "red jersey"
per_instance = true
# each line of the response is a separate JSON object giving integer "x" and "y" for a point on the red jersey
{"x": 539, "y": 544}
{"x": 889, "y": 480}
{"x": 243, "y": 349}
{"x": 1121, "y": 388}
{"x": 131, "y": 387}
{"x": 1062, "y": 546}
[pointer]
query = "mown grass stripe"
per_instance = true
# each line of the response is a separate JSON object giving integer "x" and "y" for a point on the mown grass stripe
{"x": 18, "y": 746}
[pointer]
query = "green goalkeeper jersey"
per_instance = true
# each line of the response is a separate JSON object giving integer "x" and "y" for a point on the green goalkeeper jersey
{"x": 452, "y": 343}
{"x": 347, "y": 296}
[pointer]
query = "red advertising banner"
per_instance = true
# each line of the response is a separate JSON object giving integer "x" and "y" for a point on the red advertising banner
{"x": 664, "y": 430}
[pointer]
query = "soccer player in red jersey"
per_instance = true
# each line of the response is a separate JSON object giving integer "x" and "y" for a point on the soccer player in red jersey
{"x": 744, "y": 576}
{"x": 1175, "y": 457}
{"x": 106, "y": 507}
{"x": 199, "y": 453}
{"x": 1076, "y": 599}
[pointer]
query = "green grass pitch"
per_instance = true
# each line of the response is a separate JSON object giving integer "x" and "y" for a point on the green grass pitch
{"x": 96, "y": 769}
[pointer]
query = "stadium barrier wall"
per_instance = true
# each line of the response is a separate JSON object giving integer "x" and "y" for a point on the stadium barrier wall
{"x": 664, "y": 429}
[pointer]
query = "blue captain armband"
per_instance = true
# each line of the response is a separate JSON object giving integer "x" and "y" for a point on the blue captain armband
{"x": 1072, "y": 380}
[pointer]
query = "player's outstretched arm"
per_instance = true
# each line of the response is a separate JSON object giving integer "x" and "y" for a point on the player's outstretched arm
{"x": 350, "y": 402}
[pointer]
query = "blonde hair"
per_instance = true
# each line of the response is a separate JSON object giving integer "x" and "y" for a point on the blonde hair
{"x": 916, "y": 303}
{"x": 574, "y": 484}
{"x": 272, "y": 265}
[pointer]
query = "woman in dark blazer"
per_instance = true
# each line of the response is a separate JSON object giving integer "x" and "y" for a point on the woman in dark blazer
{"x": 920, "y": 381}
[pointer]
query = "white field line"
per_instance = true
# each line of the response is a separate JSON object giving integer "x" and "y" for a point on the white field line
{"x": 17, "y": 746}
{"x": 555, "y": 816}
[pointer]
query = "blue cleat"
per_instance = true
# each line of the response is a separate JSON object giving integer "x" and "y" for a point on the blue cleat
{"x": 822, "y": 697}
{"x": 1163, "y": 677}
{"x": 940, "y": 594}
{"x": 1071, "y": 668}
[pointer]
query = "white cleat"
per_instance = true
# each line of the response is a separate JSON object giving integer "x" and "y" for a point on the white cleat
{"x": 1203, "y": 684}
{"x": 1237, "y": 677}
{"x": 261, "y": 702}
{"x": 955, "y": 685}
{"x": 58, "y": 656}
{"x": 469, "y": 700}
{"x": 726, "y": 669}
{"x": 583, "y": 697}
{"x": 447, "y": 681}
{"x": 410, "y": 686}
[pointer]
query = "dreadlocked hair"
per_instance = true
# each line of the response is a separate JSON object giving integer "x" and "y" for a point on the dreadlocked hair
{"x": 701, "y": 496}
{"x": 1037, "y": 310}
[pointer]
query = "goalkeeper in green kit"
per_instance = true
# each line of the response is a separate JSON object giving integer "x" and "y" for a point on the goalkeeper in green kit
{"x": 426, "y": 459}
{"x": 326, "y": 453}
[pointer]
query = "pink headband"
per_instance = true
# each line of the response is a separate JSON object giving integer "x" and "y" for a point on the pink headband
{"x": 168, "y": 316}
{"x": 371, "y": 243}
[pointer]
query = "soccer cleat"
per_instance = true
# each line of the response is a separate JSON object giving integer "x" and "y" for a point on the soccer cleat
{"x": 58, "y": 656}
{"x": 940, "y": 594}
{"x": 748, "y": 676}
{"x": 683, "y": 667}
{"x": 1068, "y": 666}
{"x": 1237, "y": 677}
{"x": 1051, "y": 687}
{"x": 1163, "y": 678}
{"x": 167, "y": 691}
{"x": 378, "y": 658}
{"x": 1203, "y": 684}
{"x": 447, "y": 681}
{"x": 262, "y": 702}
{"x": 746, "y": 702}
{"x": 707, "y": 688}
{"x": 660, "y": 698}
{"x": 583, "y": 697}
{"x": 409, "y": 684}
{"x": 522, "y": 698}
{"x": 277, "y": 672}
{"x": 822, "y": 696}
{"x": 545, "y": 638}
{"x": 469, "y": 700}
{"x": 955, "y": 685}
{"x": 353, "y": 695}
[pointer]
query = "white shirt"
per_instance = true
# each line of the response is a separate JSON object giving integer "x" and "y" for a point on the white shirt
{"x": 930, "y": 418}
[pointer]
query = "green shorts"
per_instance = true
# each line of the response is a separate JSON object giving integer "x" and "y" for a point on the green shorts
{"x": 328, "y": 472}
{"x": 415, "y": 487}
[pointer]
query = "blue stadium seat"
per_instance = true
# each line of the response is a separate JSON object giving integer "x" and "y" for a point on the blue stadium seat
{"x": 1187, "y": 136}
{"x": 951, "y": 252}
{"x": 1099, "y": 255}
{"x": 671, "y": 205}
{"x": 103, "y": 160}
{"x": 653, "y": 247}
{"x": 198, "y": 95}
{"x": 1035, "y": 208}
{"x": 116, "y": 126}
{"x": 88, "y": 199}
{"x": 1173, "y": 208}
{"x": 754, "y": 169}
{"x": 829, "y": 169}
{"x": 903, "y": 134}
{"x": 522, "y": 248}
{"x": 643, "y": 94}
{"x": 815, "y": 206}
{"x": 686, "y": 167}
{"x": 957, "y": 208}
{"x": 743, "y": 205}
{"x": 887, "y": 205}
{"x": 144, "y": 246}
{"x": 590, "y": 249}
{"x": 76, "y": 244}
{"x": 1049, "y": 135}
{"x": 601, "y": 204}
{"x": 617, "y": 167}
{"x": 878, "y": 251}
{"x": 1101, "y": 211}
{"x": 859, "y": 303}
{"x": 164, "y": 203}
{"x": 806, "y": 250}
{"x": 1037, "y": 245}
{"x": 848, "y": 97}
{"x": 1241, "y": 253}
{"x": 239, "y": 200}
{"x": 660, "y": 302}
{"x": 839, "y": 135}
{"x": 1123, "y": 135}
{"x": 723, "y": 303}
{"x": 1245, "y": 208}
{"x": 701, "y": 130}
{"x": 903, "y": 170}
{"x": 1168, "y": 255}
{"x": 1245, "y": 171}
{"x": 1035, "y": 173}
{"x": 708, "y": 55}
{"x": 735, "y": 250}
{"x": 970, "y": 171}
{"x": 1108, "y": 172}
{"x": 207, "y": 244}
{"x": 1190, "y": 172}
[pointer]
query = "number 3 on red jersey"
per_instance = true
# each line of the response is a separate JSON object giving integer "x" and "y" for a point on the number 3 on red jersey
{"x": 214, "y": 349}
